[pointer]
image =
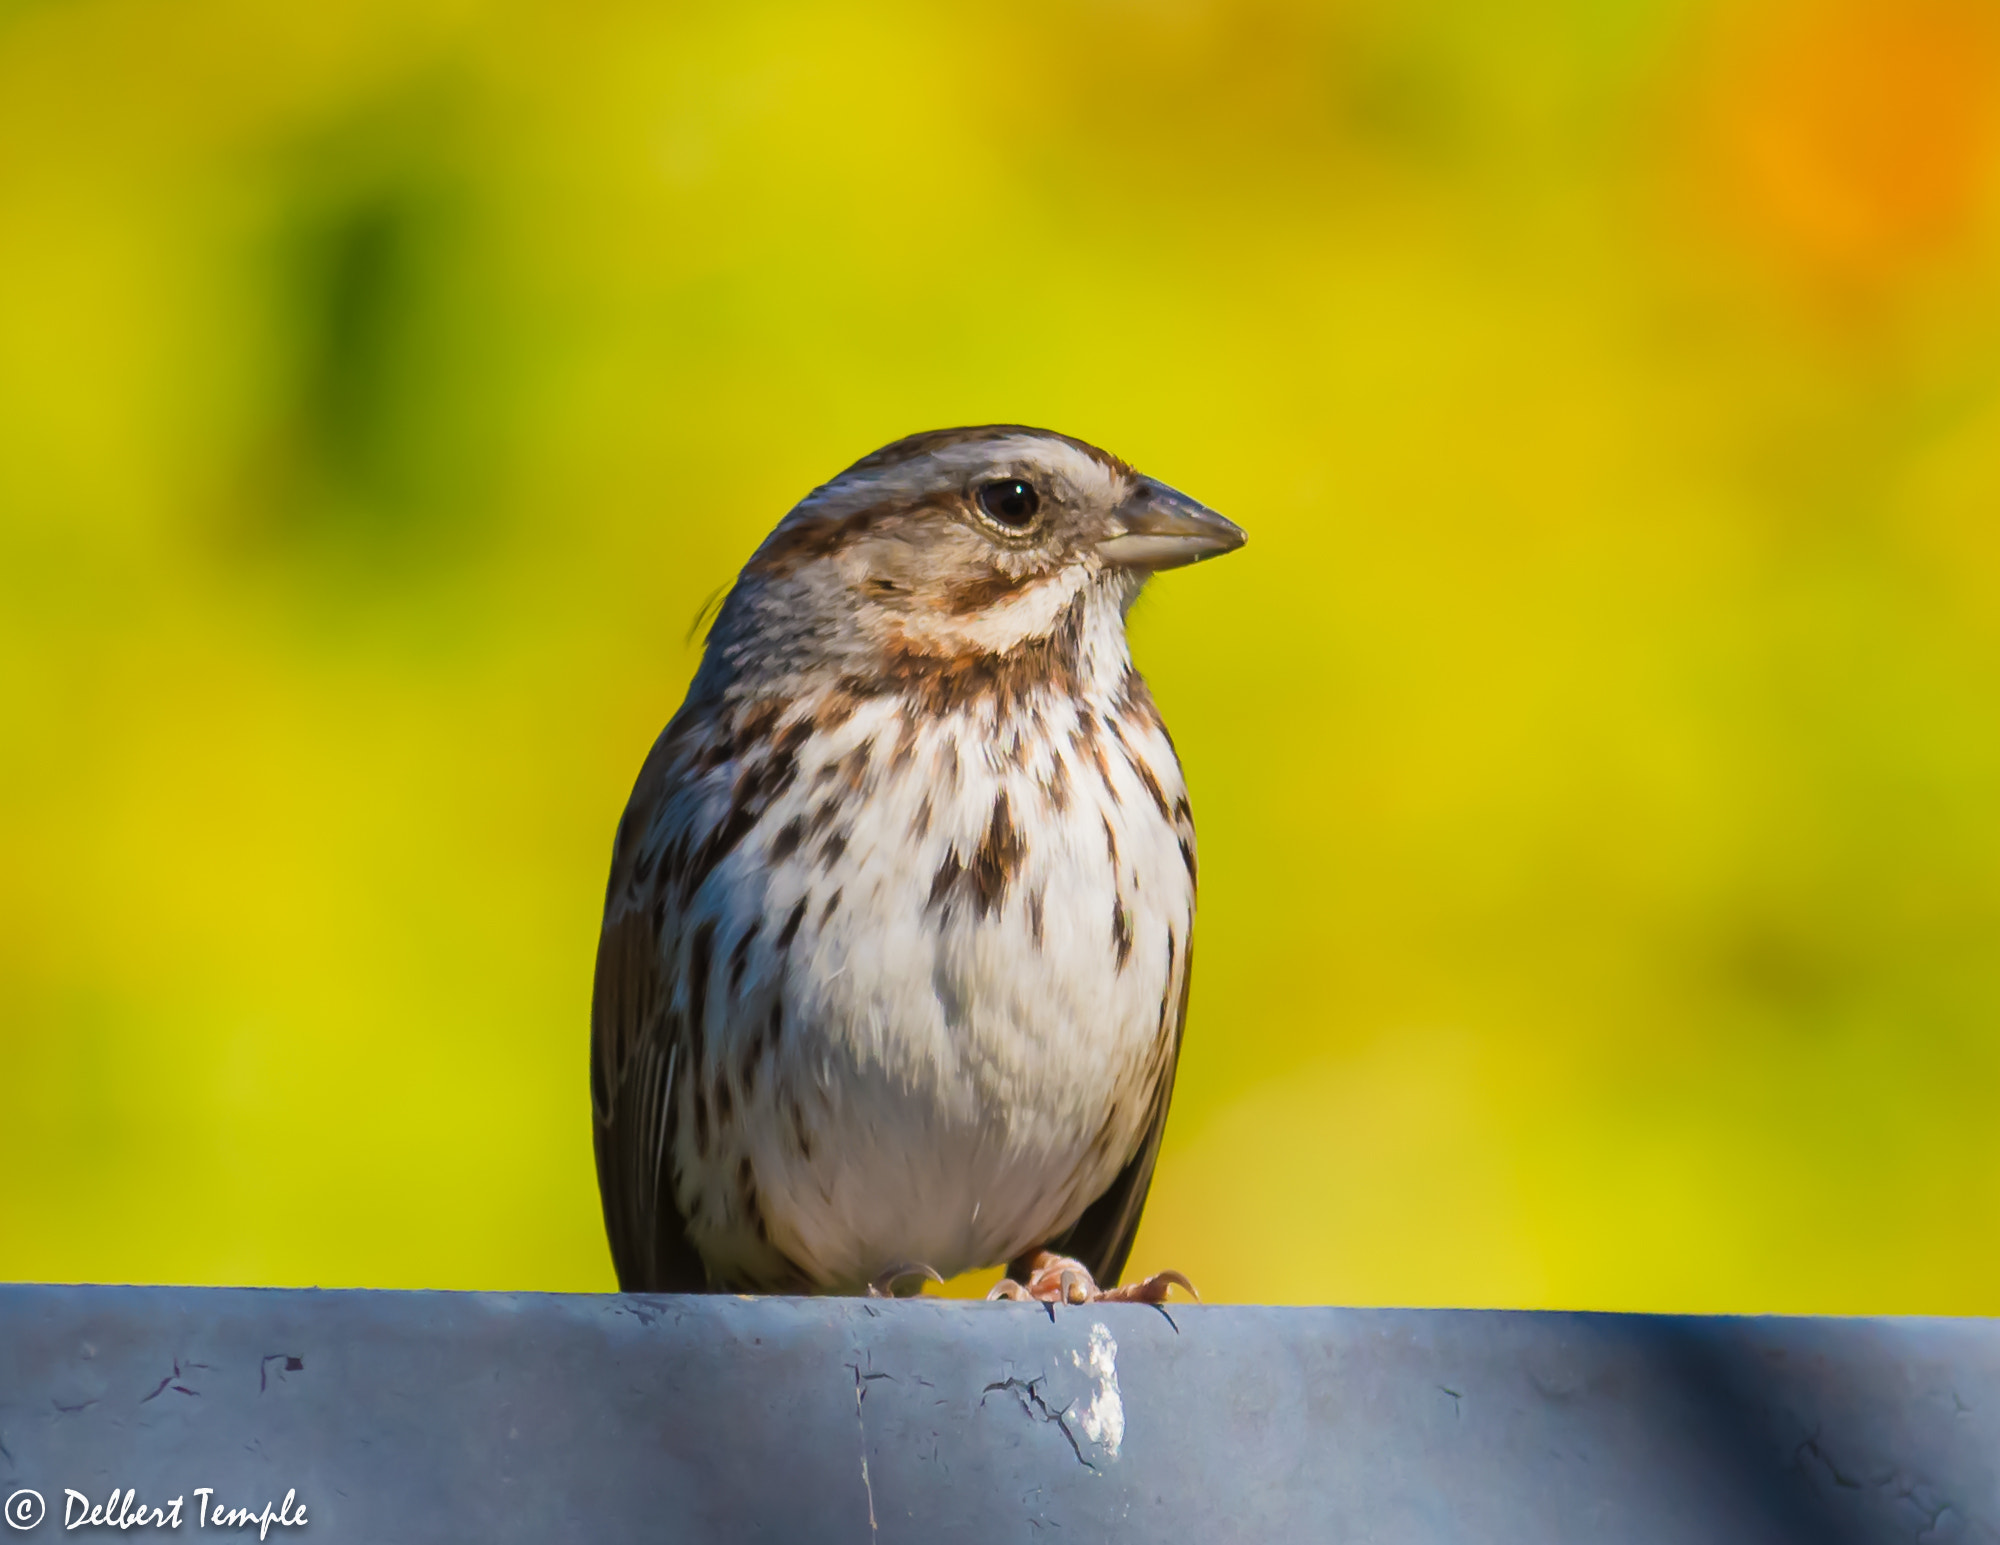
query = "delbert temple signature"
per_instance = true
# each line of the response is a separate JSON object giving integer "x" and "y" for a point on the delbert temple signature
{"x": 123, "y": 1510}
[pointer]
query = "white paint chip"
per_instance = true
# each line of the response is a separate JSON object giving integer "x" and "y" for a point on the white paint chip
{"x": 1103, "y": 1420}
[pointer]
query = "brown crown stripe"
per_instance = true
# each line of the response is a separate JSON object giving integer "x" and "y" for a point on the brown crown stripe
{"x": 801, "y": 538}
{"x": 931, "y": 441}
{"x": 808, "y": 534}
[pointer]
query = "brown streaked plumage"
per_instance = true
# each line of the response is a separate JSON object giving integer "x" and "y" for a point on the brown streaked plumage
{"x": 896, "y": 955}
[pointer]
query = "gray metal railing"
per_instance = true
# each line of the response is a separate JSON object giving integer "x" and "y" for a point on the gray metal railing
{"x": 390, "y": 1417}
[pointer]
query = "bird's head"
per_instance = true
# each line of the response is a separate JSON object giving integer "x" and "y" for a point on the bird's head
{"x": 961, "y": 543}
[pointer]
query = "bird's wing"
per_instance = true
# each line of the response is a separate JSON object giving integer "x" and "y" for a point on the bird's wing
{"x": 636, "y": 1051}
{"x": 1103, "y": 1236}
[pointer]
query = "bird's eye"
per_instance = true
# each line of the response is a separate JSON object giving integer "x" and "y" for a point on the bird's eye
{"x": 1011, "y": 502}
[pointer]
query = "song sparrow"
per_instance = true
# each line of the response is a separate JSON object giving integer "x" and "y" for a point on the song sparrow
{"x": 897, "y": 937}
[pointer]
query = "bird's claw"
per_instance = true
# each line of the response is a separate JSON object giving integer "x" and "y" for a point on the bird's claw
{"x": 884, "y": 1285}
{"x": 1054, "y": 1279}
{"x": 1153, "y": 1290}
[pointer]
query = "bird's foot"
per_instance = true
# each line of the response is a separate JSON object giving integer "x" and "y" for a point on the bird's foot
{"x": 884, "y": 1286}
{"x": 1058, "y": 1279}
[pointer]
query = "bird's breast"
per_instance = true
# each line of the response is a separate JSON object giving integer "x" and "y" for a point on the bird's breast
{"x": 951, "y": 953}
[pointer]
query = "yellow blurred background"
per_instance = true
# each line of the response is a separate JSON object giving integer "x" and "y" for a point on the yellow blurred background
{"x": 1597, "y": 748}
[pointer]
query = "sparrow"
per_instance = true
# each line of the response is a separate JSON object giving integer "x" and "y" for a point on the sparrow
{"x": 897, "y": 938}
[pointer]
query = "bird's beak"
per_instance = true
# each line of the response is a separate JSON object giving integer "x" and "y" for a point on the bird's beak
{"x": 1157, "y": 528}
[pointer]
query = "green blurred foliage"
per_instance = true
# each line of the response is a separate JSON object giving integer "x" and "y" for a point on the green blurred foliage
{"x": 1596, "y": 747}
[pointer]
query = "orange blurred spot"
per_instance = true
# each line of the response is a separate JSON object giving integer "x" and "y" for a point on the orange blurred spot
{"x": 1857, "y": 136}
